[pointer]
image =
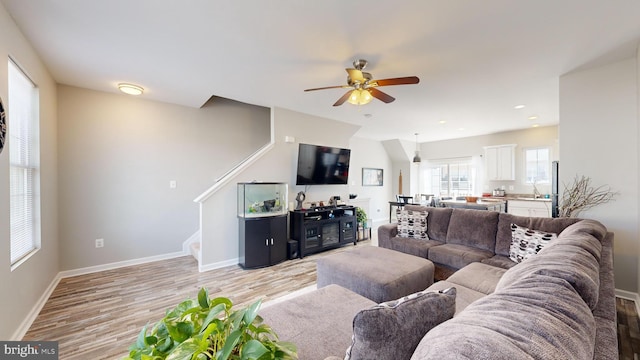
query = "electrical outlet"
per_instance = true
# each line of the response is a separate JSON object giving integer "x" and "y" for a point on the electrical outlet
{"x": 173, "y": 184}
{"x": 99, "y": 243}
{"x": 510, "y": 187}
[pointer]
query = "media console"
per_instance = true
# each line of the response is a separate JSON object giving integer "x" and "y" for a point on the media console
{"x": 323, "y": 228}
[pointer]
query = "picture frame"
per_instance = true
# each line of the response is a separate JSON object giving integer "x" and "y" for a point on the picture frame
{"x": 372, "y": 177}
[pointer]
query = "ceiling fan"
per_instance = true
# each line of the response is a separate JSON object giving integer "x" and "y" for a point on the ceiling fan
{"x": 364, "y": 87}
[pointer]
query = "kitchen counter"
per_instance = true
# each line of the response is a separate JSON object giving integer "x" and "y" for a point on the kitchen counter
{"x": 508, "y": 197}
{"x": 484, "y": 204}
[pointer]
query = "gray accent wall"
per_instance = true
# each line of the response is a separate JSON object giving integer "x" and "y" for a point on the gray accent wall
{"x": 21, "y": 289}
{"x": 220, "y": 241}
{"x": 118, "y": 154}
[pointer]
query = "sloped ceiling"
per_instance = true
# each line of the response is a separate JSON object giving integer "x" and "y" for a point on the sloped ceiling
{"x": 476, "y": 59}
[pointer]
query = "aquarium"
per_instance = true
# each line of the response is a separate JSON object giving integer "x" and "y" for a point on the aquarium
{"x": 258, "y": 199}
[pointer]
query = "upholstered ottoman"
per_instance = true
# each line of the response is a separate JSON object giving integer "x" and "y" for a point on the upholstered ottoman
{"x": 376, "y": 273}
{"x": 320, "y": 323}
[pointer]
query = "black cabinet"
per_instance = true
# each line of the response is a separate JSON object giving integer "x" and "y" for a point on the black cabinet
{"x": 324, "y": 228}
{"x": 263, "y": 241}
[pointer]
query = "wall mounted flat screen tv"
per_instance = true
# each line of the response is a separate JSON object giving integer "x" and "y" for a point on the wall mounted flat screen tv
{"x": 322, "y": 165}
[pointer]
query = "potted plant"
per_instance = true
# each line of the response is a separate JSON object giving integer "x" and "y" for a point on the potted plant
{"x": 210, "y": 329}
{"x": 361, "y": 216}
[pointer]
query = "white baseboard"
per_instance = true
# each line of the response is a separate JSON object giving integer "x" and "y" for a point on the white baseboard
{"x": 119, "y": 264}
{"x": 31, "y": 317}
{"x": 628, "y": 295}
{"x": 218, "y": 265}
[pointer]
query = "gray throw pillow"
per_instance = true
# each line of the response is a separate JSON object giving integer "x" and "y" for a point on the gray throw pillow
{"x": 392, "y": 330}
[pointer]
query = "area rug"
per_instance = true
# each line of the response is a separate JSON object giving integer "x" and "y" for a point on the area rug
{"x": 296, "y": 293}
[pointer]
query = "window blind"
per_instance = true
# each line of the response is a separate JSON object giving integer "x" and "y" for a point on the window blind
{"x": 22, "y": 129}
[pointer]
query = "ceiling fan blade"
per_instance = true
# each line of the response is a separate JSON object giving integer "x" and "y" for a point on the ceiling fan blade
{"x": 343, "y": 98}
{"x": 386, "y": 98}
{"x": 396, "y": 81}
{"x": 356, "y": 75}
{"x": 329, "y": 87}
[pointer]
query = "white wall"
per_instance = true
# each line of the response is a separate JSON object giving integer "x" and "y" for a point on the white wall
{"x": 474, "y": 146}
{"x": 117, "y": 156}
{"x": 21, "y": 289}
{"x": 599, "y": 139}
{"x": 367, "y": 153}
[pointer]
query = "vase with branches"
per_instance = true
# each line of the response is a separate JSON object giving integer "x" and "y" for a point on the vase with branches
{"x": 581, "y": 196}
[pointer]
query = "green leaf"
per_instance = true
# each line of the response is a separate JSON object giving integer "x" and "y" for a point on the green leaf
{"x": 252, "y": 350}
{"x": 221, "y": 300}
{"x": 203, "y": 298}
{"x": 140, "y": 344}
{"x": 252, "y": 312}
{"x": 150, "y": 340}
{"x": 181, "y": 331}
{"x": 232, "y": 341}
{"x": 186, "y": 350}
{"x": 212, "y": 315}
{"x": 288, "y": 348}
{"x": 165, "y": 346}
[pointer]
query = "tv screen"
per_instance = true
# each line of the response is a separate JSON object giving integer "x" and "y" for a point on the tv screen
{"x": 322, "y": 165}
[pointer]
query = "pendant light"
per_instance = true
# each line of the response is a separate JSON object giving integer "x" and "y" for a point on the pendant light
{"x": 416, "y": 158}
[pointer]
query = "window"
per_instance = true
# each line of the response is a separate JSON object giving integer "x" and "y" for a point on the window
{"x": 454, "y": 177}
{"x": 22, "y": 129}
{"x": 537, "y": 165}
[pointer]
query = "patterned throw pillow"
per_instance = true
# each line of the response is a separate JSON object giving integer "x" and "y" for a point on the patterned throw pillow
{"x": 392, "y": 330}
{"x": 412, "y": 224}
{"x": 526, "y": 242}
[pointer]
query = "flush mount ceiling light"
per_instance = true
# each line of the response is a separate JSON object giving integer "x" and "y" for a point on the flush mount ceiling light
{"x": 533, "y": 117}
{"x": 416, "y": 158}
{"x": 130, "y": 89}
{"x": 517, "y": 107}
{"x": 359, "y": 97}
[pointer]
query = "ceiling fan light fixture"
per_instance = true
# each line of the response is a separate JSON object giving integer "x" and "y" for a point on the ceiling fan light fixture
{"x": 130, "y": 89}
{"x": 360, "y": 97}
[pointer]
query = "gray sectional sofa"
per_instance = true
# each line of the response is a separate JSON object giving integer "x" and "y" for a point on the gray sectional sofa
{"x": 558, "y": 304}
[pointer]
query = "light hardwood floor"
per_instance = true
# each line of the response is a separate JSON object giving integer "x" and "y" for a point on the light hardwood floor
{"x": 98, "y": 316}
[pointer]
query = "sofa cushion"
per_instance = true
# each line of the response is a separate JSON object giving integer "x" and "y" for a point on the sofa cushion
{"x": 503, "y": 236}
{"x": 416, "y": 247}
{"x": 412, "y": 223}
{"x": 527, "y": 242}
{"x": 474, "y": 228}
{"x": 464, "y": 296}
{"x": 437, "y": 222}
{"x": 457, "y": 256}
{"x": 477, "y": 276}
{"x": 393, "y": 329}
{"x": 500, "y": 261}
{"x": 570, "y": 257}
{"x": 538, "y": 317}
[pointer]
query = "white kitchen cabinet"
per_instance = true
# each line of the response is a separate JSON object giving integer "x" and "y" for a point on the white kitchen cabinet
{"x": 532, "y": 208}
{"x": 500, "y": 162}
